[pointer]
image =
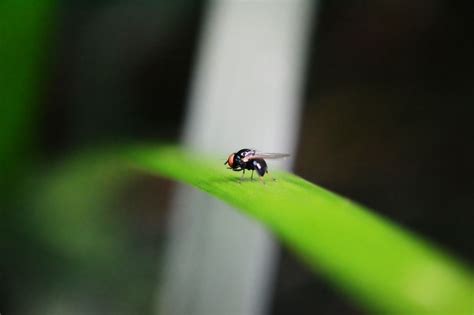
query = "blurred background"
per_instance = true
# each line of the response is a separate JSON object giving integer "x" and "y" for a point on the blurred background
{"x": 381, "y": 114}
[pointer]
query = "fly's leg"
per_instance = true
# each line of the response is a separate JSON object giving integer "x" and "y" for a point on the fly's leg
{"x": 242, "y": 177}
{"x": 273, "y": 178}
{"x": 251, "y": 176}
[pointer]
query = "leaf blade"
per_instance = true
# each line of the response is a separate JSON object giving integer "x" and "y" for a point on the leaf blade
{"x": 376, "y": 262}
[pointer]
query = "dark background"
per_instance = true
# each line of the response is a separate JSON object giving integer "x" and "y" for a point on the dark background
{"x": 386, "y": 121}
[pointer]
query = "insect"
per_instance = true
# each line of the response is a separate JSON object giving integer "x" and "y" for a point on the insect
{"x": 248, "y": 159}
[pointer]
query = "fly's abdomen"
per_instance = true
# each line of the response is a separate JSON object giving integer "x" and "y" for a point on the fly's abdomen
{"x": 260, "y": 166}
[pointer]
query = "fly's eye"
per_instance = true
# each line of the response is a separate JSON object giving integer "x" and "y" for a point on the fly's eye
{"x": 230, "y": 160}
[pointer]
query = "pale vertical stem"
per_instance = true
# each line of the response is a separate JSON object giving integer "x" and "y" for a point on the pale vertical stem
{"x": 246, "y": 93}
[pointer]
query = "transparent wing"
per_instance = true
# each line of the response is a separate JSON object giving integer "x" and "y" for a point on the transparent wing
{"x": 265, "y": 155}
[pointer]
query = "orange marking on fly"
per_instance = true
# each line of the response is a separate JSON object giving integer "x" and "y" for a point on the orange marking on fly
{"x": 230, "y": 160}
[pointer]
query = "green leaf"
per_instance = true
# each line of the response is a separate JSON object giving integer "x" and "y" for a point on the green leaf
{"x": 382, "y": 266}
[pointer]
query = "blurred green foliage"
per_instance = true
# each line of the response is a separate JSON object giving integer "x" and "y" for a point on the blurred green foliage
{"x": 25, "y": 28}
{"x": 65, "y": 245}
{"x": 70, "y": 209}
{"x": 70, "y": 245}
{"x": 386, "y": 268}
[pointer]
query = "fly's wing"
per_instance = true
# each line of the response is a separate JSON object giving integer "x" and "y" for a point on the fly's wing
{"x": 264, "y": 155}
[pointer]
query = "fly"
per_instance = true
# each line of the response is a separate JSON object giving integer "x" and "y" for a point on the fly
{"x": 248, "y": 159}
